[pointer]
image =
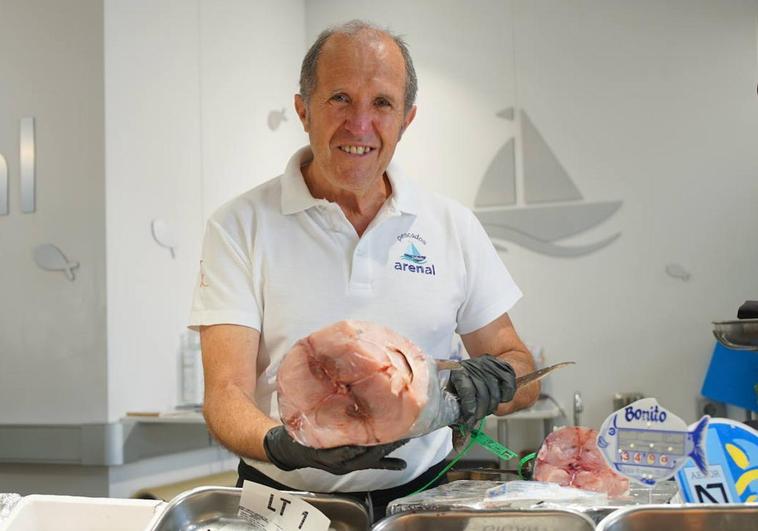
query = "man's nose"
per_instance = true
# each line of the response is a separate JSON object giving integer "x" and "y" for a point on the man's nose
{"x": 358, "y": 120}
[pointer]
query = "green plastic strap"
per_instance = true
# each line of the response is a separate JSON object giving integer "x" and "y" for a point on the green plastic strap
{"x": 477, "y": 437}
{"x": 450, "y": 464}
{"x": 524, "y": 460}
{"x": 491, "y": 445}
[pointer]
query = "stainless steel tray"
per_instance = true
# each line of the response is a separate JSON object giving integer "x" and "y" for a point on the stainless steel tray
{"x": 215, "y": 508}
{"x": 537, "y": 519}
{"x": 740, "y": 335}
{"x": 684, "y": 517}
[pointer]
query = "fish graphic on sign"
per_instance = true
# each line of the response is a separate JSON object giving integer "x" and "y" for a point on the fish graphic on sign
{"x": 732, "y": 452}
{"x": 539, "y": 206}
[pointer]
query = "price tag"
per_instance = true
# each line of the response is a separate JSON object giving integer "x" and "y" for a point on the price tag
{"x": 707, "y": 488}
{"x": 267, "y": 509}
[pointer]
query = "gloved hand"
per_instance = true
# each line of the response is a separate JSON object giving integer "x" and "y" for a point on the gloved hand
{"x": 287, "y": 454}
{"x": 481, "y": 384}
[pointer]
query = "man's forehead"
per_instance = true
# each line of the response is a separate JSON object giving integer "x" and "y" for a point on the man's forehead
{"x": 366, "y": 44}
{"x": 368, "y": 49}
{"x": 367, "y": 40}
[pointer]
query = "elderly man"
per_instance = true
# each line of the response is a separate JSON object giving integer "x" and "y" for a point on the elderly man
{"x": 334, "y": 238}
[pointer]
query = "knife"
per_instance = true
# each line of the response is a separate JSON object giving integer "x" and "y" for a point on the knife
{"x": 521, "y": 380}
{"x": 459, "y": 438}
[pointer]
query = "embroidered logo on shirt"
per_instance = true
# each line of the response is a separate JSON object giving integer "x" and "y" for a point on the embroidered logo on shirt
{"x": 411, "y": 254}
{"x": 413, "y": 260}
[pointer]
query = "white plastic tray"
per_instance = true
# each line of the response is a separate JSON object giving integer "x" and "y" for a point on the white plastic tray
{"x": 39, "y": 512}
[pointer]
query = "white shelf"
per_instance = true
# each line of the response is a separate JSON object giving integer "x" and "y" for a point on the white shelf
{"x": 168, "y": 417}
{"x": 543, "y": 409}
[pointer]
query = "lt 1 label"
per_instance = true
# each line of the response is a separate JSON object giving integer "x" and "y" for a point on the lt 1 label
{"x": 267, "y": 509}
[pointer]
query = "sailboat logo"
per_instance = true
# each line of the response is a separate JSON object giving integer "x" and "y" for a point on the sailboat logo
{"x": 412, "y": 254}
{"x": 539, "y": 206}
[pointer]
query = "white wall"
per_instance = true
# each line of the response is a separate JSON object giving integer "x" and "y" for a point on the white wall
{"x": 250, "y": 65}
{"x": 646, "y": 102}
{"x": 189, "y": 86}
{"x": 153, "y": 170}
{"x": 654, "y": 104}
{"x": 52, "y": 331}
{"x": 144, "y": 110}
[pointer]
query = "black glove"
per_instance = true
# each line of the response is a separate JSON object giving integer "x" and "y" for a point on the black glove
{"x": 287, "y": 454}
{"x": 481, "y": 384}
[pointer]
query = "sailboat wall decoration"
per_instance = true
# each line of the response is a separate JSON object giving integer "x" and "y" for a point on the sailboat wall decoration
{"x": 553, "y": 207}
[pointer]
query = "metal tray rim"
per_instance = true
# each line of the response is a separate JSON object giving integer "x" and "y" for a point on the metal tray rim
{"x": 740, "y": 334}
{"x": 383, "y": 523}
{"x": 616, "y": 515}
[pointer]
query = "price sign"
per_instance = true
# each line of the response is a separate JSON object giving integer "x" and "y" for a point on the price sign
{"x": 267, "y": 509}
{"x": 732, "y": 477}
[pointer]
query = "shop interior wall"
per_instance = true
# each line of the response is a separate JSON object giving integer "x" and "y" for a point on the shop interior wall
{"x": 649, "y": 103}
{"x": 52, "y": 330}
{"x": 189, "y": 89}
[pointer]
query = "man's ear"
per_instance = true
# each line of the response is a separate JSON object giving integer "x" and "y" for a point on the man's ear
{"x": 407, "y": 120}
{"x": 302, "y": 111}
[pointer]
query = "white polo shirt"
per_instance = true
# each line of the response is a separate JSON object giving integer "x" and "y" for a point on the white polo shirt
{"x": 278, "y": 260}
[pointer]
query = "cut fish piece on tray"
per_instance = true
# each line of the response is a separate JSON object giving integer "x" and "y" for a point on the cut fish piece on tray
{"x": 570, "y": 457}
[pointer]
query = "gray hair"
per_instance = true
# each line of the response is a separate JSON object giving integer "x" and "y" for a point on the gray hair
{"x": 310, "y": 61}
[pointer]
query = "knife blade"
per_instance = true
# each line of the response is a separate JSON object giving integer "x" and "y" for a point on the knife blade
{"x": 521, "y": 380}
{"x": 541, "y": 373}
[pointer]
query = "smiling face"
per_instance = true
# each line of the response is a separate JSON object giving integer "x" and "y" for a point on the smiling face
{"x": 355, "y": 114}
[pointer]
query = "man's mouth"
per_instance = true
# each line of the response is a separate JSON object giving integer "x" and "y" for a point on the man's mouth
{"x": 356, "y": 150}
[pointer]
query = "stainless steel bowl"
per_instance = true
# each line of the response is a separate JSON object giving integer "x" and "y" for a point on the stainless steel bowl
{"x": 741, "y": 334}
{"x": 215, "y": 508}
{"x": 527, "y": 519}
{"x": 684, "y": 517}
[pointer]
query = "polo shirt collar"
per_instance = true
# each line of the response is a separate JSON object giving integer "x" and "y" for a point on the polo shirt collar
{"x": 296, "y": 197}
{"x": 295, "y": 194}
{"x": 403, "y": 190}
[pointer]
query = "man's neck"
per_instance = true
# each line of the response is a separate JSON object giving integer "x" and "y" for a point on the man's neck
{"x": 360, "y": 207}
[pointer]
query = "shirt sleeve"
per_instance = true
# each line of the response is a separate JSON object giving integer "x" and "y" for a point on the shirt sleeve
{"x": 224, "y": 293}
{"x": 490, "y": 289}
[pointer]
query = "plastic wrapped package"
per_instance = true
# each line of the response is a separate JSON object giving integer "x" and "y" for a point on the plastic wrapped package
{"x": 529, "y": 493}
{"x": 494, "y": 495}
{"x": 356, "y": 382}
{"x": 462, "y": 494}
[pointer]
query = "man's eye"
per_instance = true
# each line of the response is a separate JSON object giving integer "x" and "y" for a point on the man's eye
{"x": 383, "y": 102}
{"x": 339, "y": 98}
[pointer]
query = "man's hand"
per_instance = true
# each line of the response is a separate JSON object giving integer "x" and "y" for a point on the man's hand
{"x": 287, "y": 454}
{"x": 481, "y": 384}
